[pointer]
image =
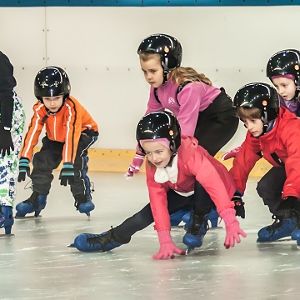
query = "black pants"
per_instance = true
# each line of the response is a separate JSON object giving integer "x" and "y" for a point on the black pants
{"x": 49, "y": 158}
{"x": 217, "y": 124}
{"x": 269, "y": 188}
{"x": 144, "y": 217}
{"x": 215, "y": 127}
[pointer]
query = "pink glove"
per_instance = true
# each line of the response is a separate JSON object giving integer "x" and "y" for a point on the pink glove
{"x": 135, "y": 165}
{"x": 232, "y": 226}
{"x": 167, "y": 247}
{"x": 231, "y": 154}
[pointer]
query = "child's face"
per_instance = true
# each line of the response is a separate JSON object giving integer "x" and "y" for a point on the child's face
{"x": 254, "y": 126}
{"x": 53, "y": 104}
{"x": 153, "y": 70}
{"x": 285, "y": 87}
{"x": 157, "y": 154}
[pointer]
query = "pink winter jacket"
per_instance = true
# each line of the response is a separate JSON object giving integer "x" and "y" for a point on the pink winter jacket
{"x": 192, "y": 99}
{"x": 194, "y": 164}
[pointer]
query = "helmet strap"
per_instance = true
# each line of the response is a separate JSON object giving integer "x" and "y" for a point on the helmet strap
{"x": 166, "y": 70}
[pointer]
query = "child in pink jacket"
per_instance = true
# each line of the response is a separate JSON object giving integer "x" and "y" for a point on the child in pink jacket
{"x": 176, "y": 168}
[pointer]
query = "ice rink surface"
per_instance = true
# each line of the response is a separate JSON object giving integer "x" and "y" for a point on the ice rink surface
{"x": 36, "y": 263}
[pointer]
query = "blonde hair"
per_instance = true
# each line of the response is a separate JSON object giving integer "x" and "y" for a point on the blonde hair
{"x": 179, "y": 74}
{"x": 145, "y": 56}
{"x": 248, "y": 113}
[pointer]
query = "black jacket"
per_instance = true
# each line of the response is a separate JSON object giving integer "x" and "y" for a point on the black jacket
{"x": 7, "y": 84}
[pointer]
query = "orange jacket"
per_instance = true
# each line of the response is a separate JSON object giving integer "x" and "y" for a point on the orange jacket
{"x": 65, "y": 126}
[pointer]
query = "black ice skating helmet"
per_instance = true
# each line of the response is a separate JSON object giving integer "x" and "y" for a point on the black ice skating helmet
{"x": 283, "y": 63}
{"x": 157, "y": 125}
{"x": 166, "y": 46}
{"x": 50, "y": 82}
{"x": 261, "y": 96}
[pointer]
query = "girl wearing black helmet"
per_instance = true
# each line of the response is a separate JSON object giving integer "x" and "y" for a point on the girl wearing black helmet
{"x": 283, "y": 69}
{"x": 273, "y": 133}
{"x": 203, "y": 110}
{"x": 12, "y": 118}
{"x": 70, "y": 131}
{"x": 174, "y": 171}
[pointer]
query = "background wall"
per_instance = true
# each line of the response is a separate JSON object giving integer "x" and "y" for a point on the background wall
{"x": 97, "y": 47}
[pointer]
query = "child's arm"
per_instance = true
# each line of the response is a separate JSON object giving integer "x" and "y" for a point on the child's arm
{"x": 34, "y": 130}
{"x": 7, "y": 83}
{"x": 153, "y": 104}
{"x": 136, "y": 163}
{"x": 232, "y": 227}
{"x": 232, "y": 153}
{"x": 244, "y": 162}
{"x": 290, "y": 138}
{"x": 159, "y": 208}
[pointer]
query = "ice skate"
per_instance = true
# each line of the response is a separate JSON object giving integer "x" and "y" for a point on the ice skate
{"x": 196, "y": 230}
{"x": 177, "y": 217}
{"x": 281, "y": 227}
{"x": 6, "y": 218}
{"x": 83, "y": 205}
{"x": 88, "y": 242}
{"x": 35, "y": 203}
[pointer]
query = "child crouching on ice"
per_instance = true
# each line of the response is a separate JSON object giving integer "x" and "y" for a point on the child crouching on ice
{"x": 174, "y": 165}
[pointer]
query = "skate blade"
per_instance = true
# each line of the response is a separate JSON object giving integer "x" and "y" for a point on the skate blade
{"x": 3, "y": 235}
{"x": 285, "y": 240}
{"x": 28, "y": 217}
{"x": 189, "y": 251}
{"x": 71, "y": 245}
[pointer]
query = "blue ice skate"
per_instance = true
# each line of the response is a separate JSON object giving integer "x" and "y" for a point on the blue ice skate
{"x": 88, "y": 242}
{"x": 279, "y": 229}
{"x": 35, "y": 203}
{"x": 83, "y": 205}
{"x": 296, "y": 235}
{"x": 177, "y": 217}
{"x": 6, "y": 218}
{"x": 196, "y": 230}
{"x": 212, "y": 216}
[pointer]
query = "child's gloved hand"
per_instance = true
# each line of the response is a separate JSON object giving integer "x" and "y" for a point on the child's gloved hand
{"x": 239, "y": 205}
{"x": 167, "y": 248}
{"x": 231, "y": 154}
{"x": 232, "y": 226}
{"x": 24, "y": 169}
{"x": 66, "y": 175}
{"x": 135, "y": 165}
{"x": 6, "y": 143}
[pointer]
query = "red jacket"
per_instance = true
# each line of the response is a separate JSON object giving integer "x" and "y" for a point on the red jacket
{"x": 194, "y": 164}
{"x": 65, "y": 126}
{"x": 280, "y": 146}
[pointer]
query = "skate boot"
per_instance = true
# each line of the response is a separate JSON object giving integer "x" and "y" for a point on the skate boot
{"x": 6, "y": 218}
{"x": 88, "y": 242}
{"x": 281, "y": 227}
{"x": 296, "y": 232}
{"x": 196, "y": 230}
{"x": 296, "y": 235}
{"x": 35, "y": 203}
{"x": 84, "y": 205}
{"x": 212, "y": 216}
{"x": 176, "y": 217}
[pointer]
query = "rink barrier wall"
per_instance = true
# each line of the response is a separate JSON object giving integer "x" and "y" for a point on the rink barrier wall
{"x": 144, "y": 3}
{"x": 118, "y": 160}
